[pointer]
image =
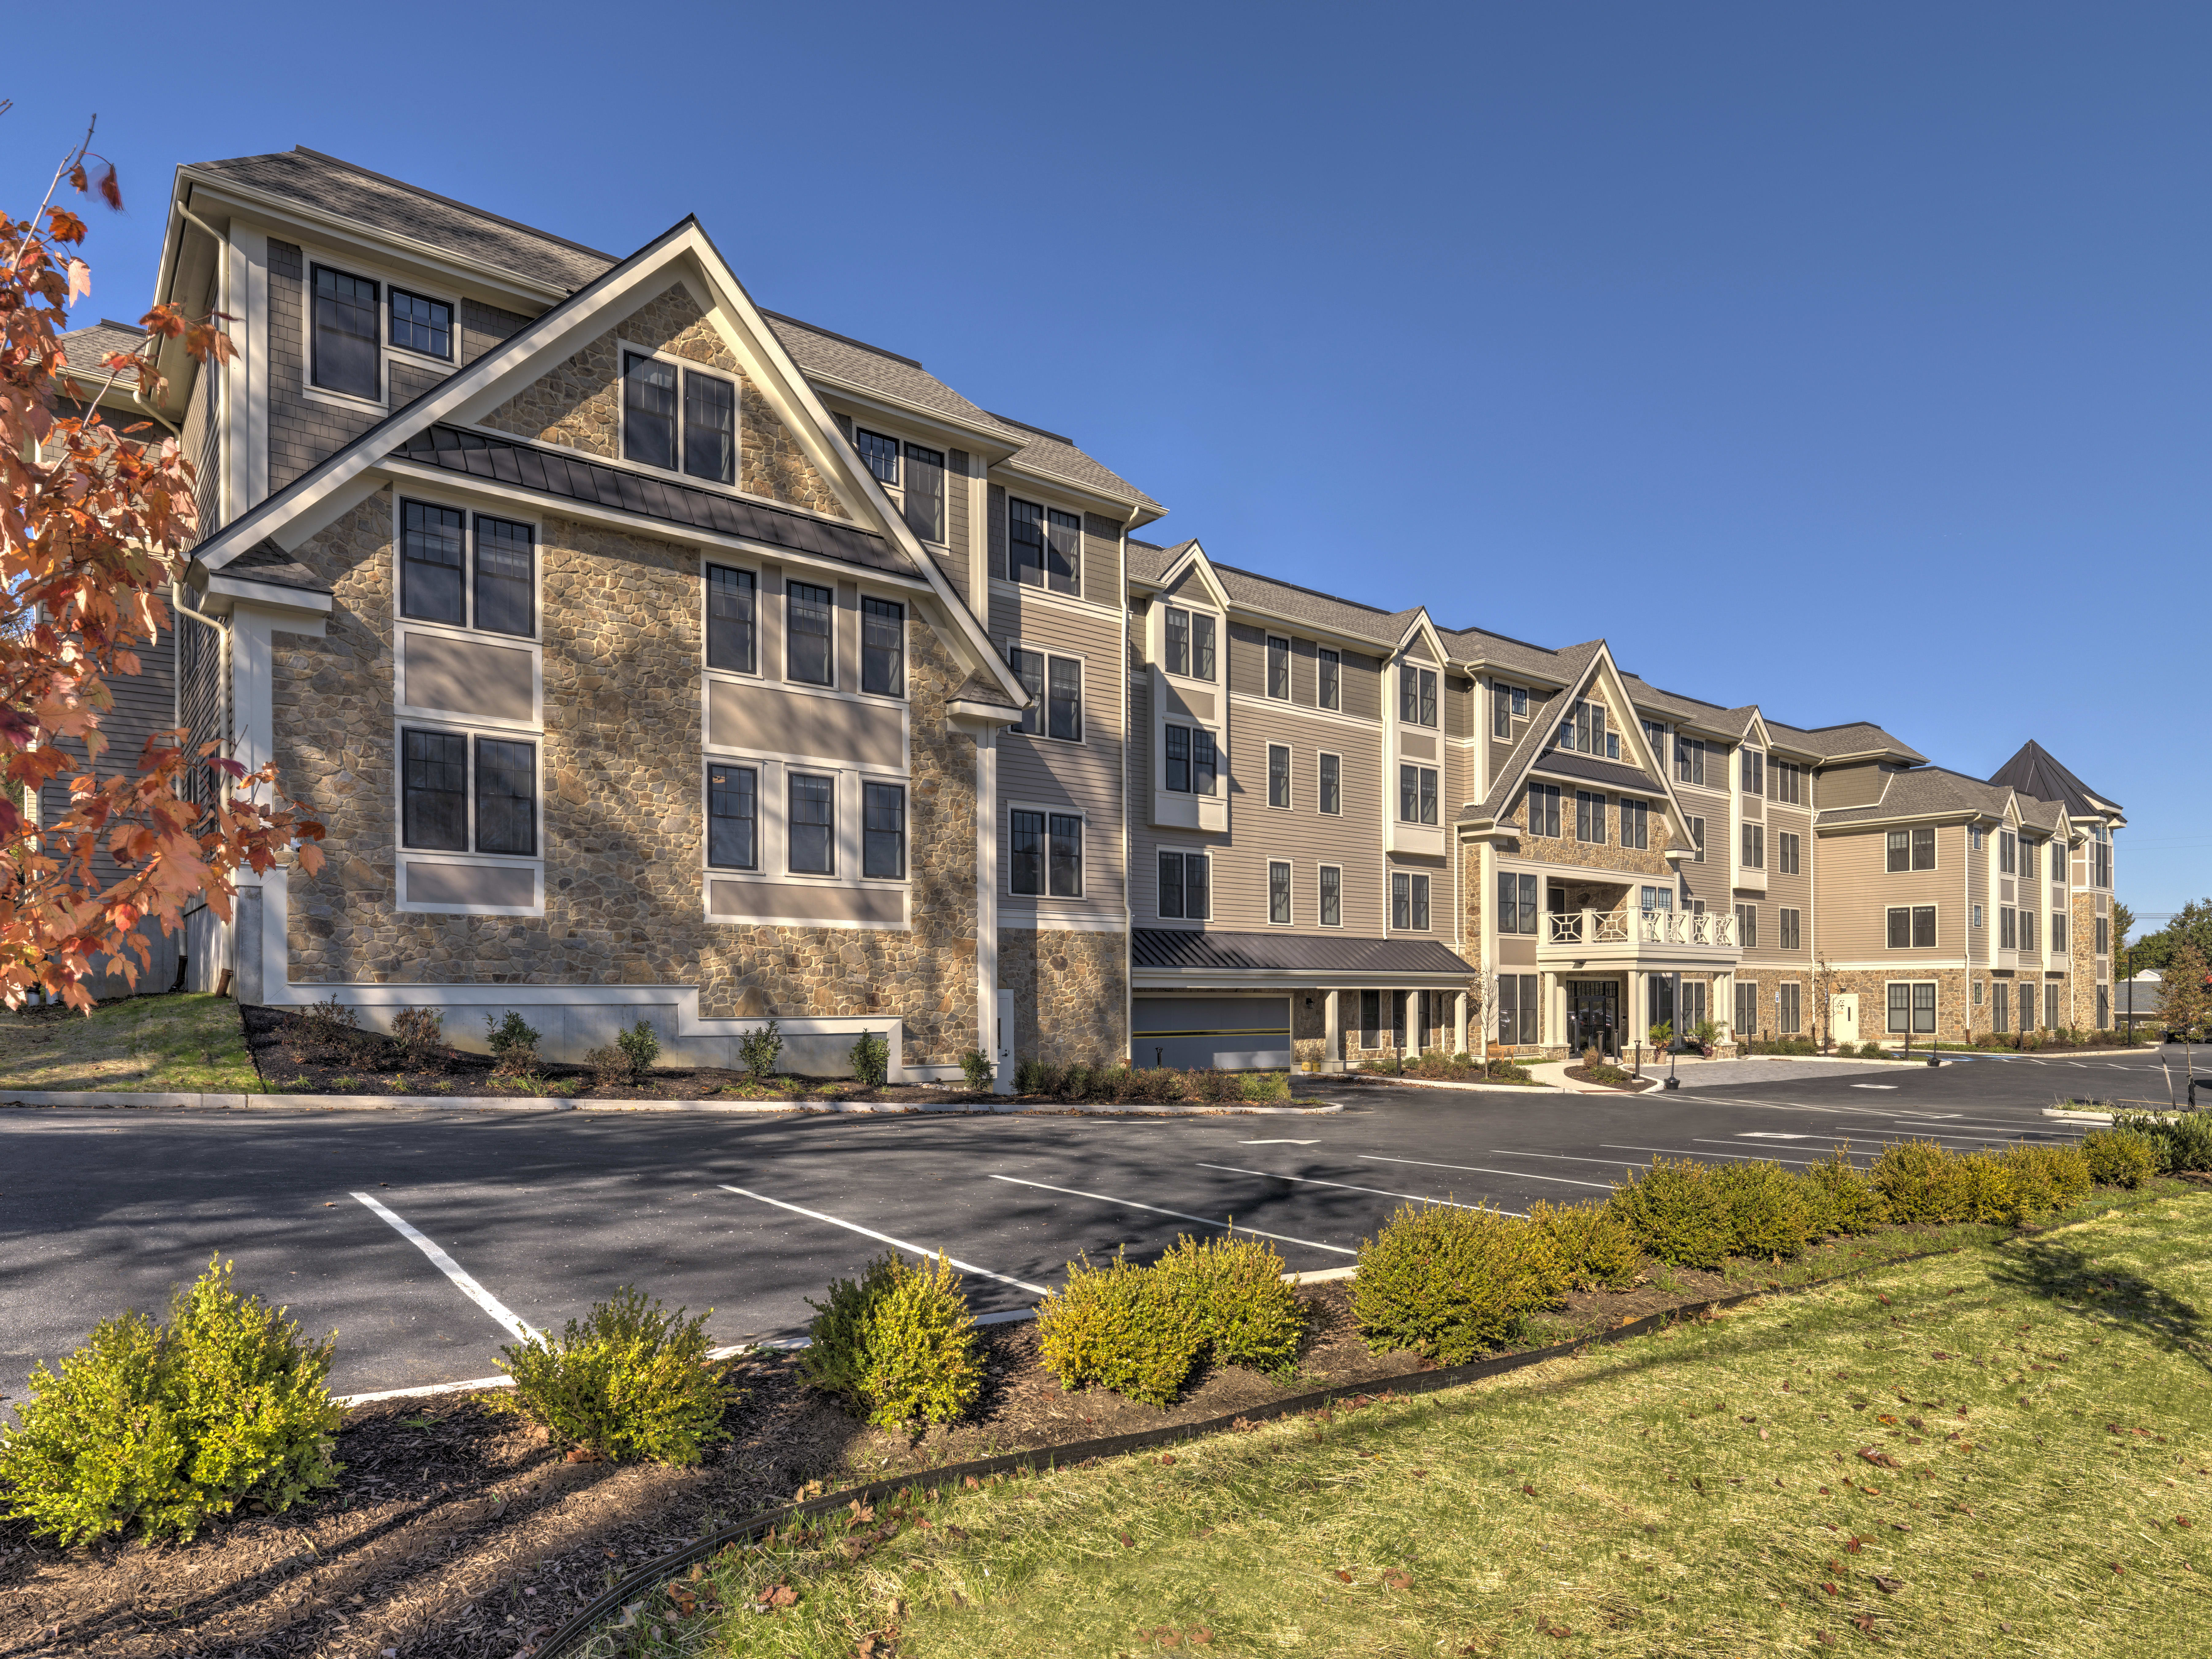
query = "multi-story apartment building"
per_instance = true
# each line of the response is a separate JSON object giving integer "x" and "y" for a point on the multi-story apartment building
{"x": 649, "y": 654}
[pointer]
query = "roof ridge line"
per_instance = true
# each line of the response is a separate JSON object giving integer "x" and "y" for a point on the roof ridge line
{"x": 847, "y": 339}
{"x": 451, "y": 202}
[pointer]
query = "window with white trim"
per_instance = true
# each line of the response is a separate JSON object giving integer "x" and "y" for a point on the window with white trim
{"x": 1635, "y": 823}
{"x": 733, "y": 612}
{"x": 1279, "y": 892}
{"x": 459, "y": 793}
{"x": 1911, "y": 1006}
{"x": 1189, "y": 643}
{"x": 1185, "y": 891}
{"x": 1751, "y": 771}
{"x": 1278, "y": 775}
{"x": 421, "y": 324}
{"x": 1746, "y": 926}
{"x": 1792, "y": 926}
{"x": 1190, "y": 760}
{"x": 882, "y": 831}
{"x": 883, "y": 647}
{"x": 1754, "y": 845}
{"x": 1517, "y": 901}
{"x": 810, "y": 627}
{"x": 1055, "y": 687}
{"x": 1417, "y": 794}
{"x": 733, "y": 816}
{"x": 1044, "y": 547}
{"x": 1329, "y": 679}
{"x": 1544, "y": 809}
{"x": 1689, "y": 759}
{"x": 1331, "y": 896}
{"x": 1331, "y": 772}
{"x": 1409, "y": 900}
{"x": 467, "y": 570}
{"x": 343, "y": 353}
{"x": 1045, "y": 856}
{"x": 1417, "y": 695}
{"x": 1279, "y": 668}
{"x": 810, "y": 831}
{"x": 1589, "y": 817}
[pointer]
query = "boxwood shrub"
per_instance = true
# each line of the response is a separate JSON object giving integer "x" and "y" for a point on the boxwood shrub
{"x": 1676, "y": 1212}
{"x": 1449, "y": 1282}
{"x": 900, "y": 1344}
{"x": 1121, "y": 1326}
{"x": 1839, "y": 1199}
{"x": 1764, "y": 1208}
{"x": 1592, "y": 1245}
{"x": 1921, "y": 1183}
{"x": 630, "y": 1381}
{"x": 1246, "y": 1314}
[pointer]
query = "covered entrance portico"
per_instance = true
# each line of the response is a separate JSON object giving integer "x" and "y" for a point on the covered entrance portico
{"x": 1610, "y": 974}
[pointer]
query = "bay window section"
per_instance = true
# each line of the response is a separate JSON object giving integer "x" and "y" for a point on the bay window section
{"x": 734, "y": 817}
{"x": 1417, "y": 794}
{"x": 1064, "y": 700}
{"x": 1063, "y": 854}
{"x": 1178, "y": 640}
{"x": 1185, "y": 886}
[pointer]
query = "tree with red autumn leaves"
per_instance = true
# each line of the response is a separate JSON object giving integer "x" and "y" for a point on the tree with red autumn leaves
{"x": 95, "y": 522}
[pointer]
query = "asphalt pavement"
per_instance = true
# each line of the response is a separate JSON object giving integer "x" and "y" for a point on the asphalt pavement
{"x": 429, "y": 1239}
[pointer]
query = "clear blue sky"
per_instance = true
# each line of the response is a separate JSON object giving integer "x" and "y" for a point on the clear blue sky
{"x": 1851, "y": 361}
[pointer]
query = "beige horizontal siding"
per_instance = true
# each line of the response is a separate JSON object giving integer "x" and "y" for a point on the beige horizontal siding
{"x": 1856, "y": 891}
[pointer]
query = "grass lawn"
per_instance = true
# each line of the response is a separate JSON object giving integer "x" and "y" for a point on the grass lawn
{"x": 1999, "y": 1451}
{"x": 182, "y": 1041}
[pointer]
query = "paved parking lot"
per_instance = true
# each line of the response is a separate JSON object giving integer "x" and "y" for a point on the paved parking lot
{"x": 426, "y": 1240}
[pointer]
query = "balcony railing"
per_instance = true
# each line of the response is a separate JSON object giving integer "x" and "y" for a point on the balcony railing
{"x": 1706, "y": 928}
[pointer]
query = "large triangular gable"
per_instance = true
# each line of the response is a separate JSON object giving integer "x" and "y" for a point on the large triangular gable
{"x": 1189, "y": 566}
{"x": 684, "y": 255}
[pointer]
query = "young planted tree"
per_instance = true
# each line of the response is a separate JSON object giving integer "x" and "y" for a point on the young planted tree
{"x": 95, "y": 522}
{"x": 2183, "y": 999}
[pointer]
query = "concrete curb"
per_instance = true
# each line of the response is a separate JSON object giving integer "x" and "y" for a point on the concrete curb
{"x": 56, "y": 1097}
{"x": 1361, "y": 1079}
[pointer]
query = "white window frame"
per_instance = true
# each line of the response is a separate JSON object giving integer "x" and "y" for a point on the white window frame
{"x": 1321, "y": 909}
{"x": 1267, "y": 666}
{"x": 1185, "y": 854}
{"x": 454, "y": 502}
{"x": 1290, "y": 777}
{"x": 1043, "y": 734}
{"x": 371, "y": 270}
{"x": 470, "y": 731}
{"x": 1050, "y": 811}
{"x": 772, "y": 834}
{"x": 1320, "y": 772}
{"x": 1290, "y": 892}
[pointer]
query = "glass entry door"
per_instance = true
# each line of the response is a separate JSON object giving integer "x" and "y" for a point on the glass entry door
{"x": 1594, "y": 1015}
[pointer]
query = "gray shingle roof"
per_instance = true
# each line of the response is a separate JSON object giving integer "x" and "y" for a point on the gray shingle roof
{"x": 1296, "y": 953}
{"x": 981, "y": 688}
{"x": 85, "y": 350}
{"x": 1853, "y": 738}
{"x": 1055, "y": 456}
{"x": 1480, "y": 645}
{"x": 265, "y": 562}
{"x": 1923, "y": 792}
{"x": 1322, "y": 609}
{"x": 2035, "y": 771}
{"x": 324, "y": 182}
{"x": 839, "y": 358}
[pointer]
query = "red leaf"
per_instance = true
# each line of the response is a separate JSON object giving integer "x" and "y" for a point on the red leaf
{"x": 1530, "y": 1490}
{"x": 110, "y": 191}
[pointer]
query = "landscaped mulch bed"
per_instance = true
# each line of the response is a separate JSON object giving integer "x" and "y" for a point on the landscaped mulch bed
{"x": 456, "y": 1531}
{"x": 1619, "y": 1080}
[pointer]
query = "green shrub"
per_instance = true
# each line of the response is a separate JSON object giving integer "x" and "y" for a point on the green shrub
{"x": 900, "y": 1344}
{"x": 1119, "y": 1327}
{"x": 1673, "y": 1213}
{"x": 1839, "y": 1200}
{"x": 2123, "y": 1157}
{"x": 1217, "y": 1085}
{"x": 1764, "y": 1208}
{"x": 169, "y": 1428}
{"x": 1505, "y": 1071}
{"x": 1036, "y": 1077}
{"x": 1920, "y": 1182}
{"x": 419, "y": 1034}
{"x": 1161, "y": 1085}
{"x": 1449, "y": 1282}
{"x": 514, "y": 1044}
{"x": 1987, "y": 1191}
{"x": 1262, "y": 1086}
{"x": 872, "y": 1060}
{"x": 759, "y": 1048}
{"x": 2187, "y": 1136}
{"x": 1872, "y": 1050}
{"x": 1247, "y": 1316}
{"x": 979, "y": 1071}
{"x": 629, "y": 1382}
{"x": 2046, "y": 1178}
{"x": 1590, "y": 1242}
{"x": 610, "y": 1066}
{"x": 640, "y": 1048}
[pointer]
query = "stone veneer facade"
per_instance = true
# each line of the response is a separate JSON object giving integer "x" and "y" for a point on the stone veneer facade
{"x": 1070, "y": 994}
{"x": 621, "y": 809}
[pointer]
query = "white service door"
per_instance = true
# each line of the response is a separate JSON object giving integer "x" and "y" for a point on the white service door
{"x": 1843, "y": 1017}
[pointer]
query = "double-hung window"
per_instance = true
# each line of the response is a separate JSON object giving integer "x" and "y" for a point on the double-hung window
{"x": 2008, "y": 928}
{"x": 1409, "y": 900}
{"x": 1279, "y": 893}
{"x": 695, "y": 433}
{"x": 1635, "y": 823}
{"x": 1788, "y": 781}
{"x": 2058, "y": 931}
{"x": 879, "y": 454}
{"x": 1417, "y": 794}
{"x": 1697, "y": 840}
{"x": 883, "y": 647}
{"x": 1923, "y": 848}
{"x": 1186, "y": 886}
{"x": 1754, "y": 845}
{"x": 1329, "y": 667}
{"x": 2030, "y": 858}
{"x": 1177, "y": 629}
{"x": 1046, "y": 855}
{"x": 1064, "y": 699}
{"x": 344, "y": 353}
{"x": 1417, "y": 695}
{"x": 1501, "y": 710}
{"x": 2008, "y": 851}
{"x": 1544, "y": 809}
{"x": 924, "y": 492}
{"x": 1589, "y": 817}
{"x": 1788, "y": 848}
{"x": 1752, "y": 771}
{"x": 2100, "y": 860}
{"x": 810, "y": 634}
{"x": 882, "y": 831}
{"x": 1192, "y": 762}
{"x": 732, "y": 613}
{"x": 1746, "y": 925}
{"x": 2104, "y": 941}
{"x": 648, "y": 410}
{"x": 1045, "y": 546}
{"x": 812, "y": 825}
{"x": 710, "y": 427}
{"x": 1279, "y": 774}
{"x": 1331, "y": 896}
{"x": 1279, "y": 668}
{"x": 1190, "y": 637}
{"x": 2027, "y": 930}
{"x": 734, "y": 817}
{"x": 1332, "y": 785}
{"x": 436, "y": 794}
{"x": 1517, "y": 903}
{"x": 1689, "y": 759}
{"x": 1792, "y": 930}
{"x": 434, "y": 569}
{"x": 1790, "y": 1020}
{"x": 421, "y": 324}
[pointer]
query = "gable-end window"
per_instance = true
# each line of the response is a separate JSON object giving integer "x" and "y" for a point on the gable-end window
{"x": 1544, "y": 809}
{"x": 810, "y": 631}
{"x": 1789, "y": 847}
{"x": 1279, "y": 893}
{"x": 2008, "y": 851}
{"x": 1178, "y": 640}
{"x": 883, "y": 647}
{"x": 434, "y": 790}
{"x": 1417, "y": 695}
{"x": 1689, "y": 759}
{"x": 880, "y": 453}
{"x": 431, "y": 555}
{"x": 1589, "y": 817}
{"x": 1184, "y": 886}
{"x": 1697, "y": 840}
{"x": 882, "y": 831}
{"x": 1923, "y": 849}
{"x": 710, "y": 427}
{"x": 1330, "y": 669}
{"x": 1896, "y": 851}
{"x": 1332, "y": 786}
{"x": 1751, "y": 771}
{"x": 1792, "y": 929}
{"x": 812, "y": 831}
{"x": 1064, "y": 699}
{"x": 1279, "y": 668}
{"x": 1331, "y": 896}
{"x": 506, "y": 586}
{"x": 421, "y": 324}
{"x": 734, "y": 817}
{"x": 1636, "y": 824}
{"x": 648, "y": 410}
{"x": 1584, "y": 731}
{"x": 1417, "y": 794}
{"x": 1202, "y": 645}
{"x": 1754, "y": 845}
{"x": 924, "y": 492}
{"x": 507, "y": 797}
{"x": 1279, "y": 774}
{"x": 344, "y": 354}
{"x": 730, "y": 619}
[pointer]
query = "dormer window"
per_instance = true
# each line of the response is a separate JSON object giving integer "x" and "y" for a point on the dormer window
{"x": 1751, "y": 771}
{"x": 344, "y": 355}
{"x": 1417, "y": 695}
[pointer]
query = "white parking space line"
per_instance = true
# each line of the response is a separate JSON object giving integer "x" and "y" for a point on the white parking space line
{"x": 445, "y": 1264}
{"x": 1315, "y": 1180}
{"x": 1279, "y": 1143}
{"x": 1476, "y": 1168}
{"x": 885, "y": 1238}
{"x": 1873, "y": 1085}
{"x": 1202, "y": 1220}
